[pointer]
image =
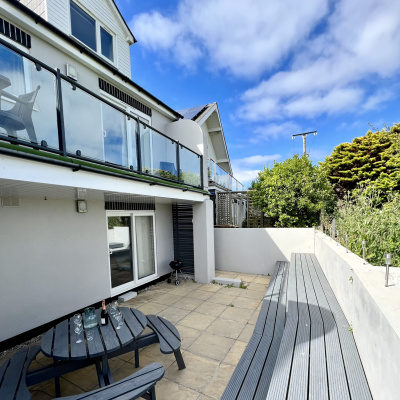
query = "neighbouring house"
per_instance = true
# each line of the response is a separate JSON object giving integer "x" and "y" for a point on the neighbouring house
{"x": 229, "y": 207}
{"x": 101, "y": 183}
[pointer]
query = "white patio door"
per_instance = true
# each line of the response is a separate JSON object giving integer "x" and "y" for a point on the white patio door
{"x": 132, "y": 249}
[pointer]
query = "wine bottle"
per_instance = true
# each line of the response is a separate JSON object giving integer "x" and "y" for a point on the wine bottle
{"x": 104, "y": 314}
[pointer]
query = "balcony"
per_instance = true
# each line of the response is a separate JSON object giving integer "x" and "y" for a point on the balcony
{"x": 46, "y": 111}
{"x": 220, "y": 177}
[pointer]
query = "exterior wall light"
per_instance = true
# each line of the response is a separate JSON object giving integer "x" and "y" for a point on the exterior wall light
{"x": 81, "y": 206}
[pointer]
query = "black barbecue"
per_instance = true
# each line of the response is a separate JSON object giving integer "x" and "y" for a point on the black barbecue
{"x": 176, "y": 266}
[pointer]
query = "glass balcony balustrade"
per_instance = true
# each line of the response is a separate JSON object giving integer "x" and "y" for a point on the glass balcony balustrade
{"x": 95, "y": 130}
{"x": 222, "y": 178}
{"x": 88, "y": 127}
{"x": 190, "y": 167}
{"x": 158, "y": 154}
{"x": 28, "y": 100}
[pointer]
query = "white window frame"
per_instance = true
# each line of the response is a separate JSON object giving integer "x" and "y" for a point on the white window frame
{"x": 98, "y": 24}
{"x": 135, "y": 282}
{"x": 113, "y": 37}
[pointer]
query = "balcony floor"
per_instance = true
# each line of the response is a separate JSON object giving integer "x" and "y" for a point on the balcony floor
{"x": 215, "y": 324}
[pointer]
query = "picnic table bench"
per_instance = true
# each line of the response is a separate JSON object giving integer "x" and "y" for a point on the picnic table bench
{"x": 312, "y": 353}
{"x": 140, "y": 384}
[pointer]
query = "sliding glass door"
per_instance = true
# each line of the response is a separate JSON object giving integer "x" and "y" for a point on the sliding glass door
{"x": 131, "y": 244}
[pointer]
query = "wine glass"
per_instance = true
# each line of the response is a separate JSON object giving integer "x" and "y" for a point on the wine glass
{"x": 114, "y": 306}
{"x": 118, "y": 317}
{"x": 77, "y": 319}
{"x": 78, "y": 330}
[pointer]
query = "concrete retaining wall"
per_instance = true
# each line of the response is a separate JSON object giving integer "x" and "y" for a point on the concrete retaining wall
{"x": 371, "y": 309}
{"x": 257, "y": 250}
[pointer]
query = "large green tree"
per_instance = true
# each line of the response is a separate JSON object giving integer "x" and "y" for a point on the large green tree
{"x": 371, "y": 161}
{"x": 292, "y": 193}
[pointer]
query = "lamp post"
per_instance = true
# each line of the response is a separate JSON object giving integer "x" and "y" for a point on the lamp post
{"x": 388, "y": 260}
{"x": 364, "y": 243}
{"x": 337, "y": 237}
{"x": 346, "y": 238}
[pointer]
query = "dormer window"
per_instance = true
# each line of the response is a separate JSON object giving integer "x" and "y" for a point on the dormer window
{"x": 83, "y": 26}
{"x": 89, "y": 31}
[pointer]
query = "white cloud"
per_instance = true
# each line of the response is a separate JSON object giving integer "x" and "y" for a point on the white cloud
{"x": 254, "y": 160}
{"x": 244, "y": 37}
{"x": 274, "y": 130}
{"x": 243, "y": 168}
{"x": 333, "y": 73}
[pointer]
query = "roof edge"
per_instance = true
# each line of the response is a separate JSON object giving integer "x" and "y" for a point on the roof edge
{"x": 84, "y": 49}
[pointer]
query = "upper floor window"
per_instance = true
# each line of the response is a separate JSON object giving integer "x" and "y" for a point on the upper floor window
{"x": 88, "y": 31}
{"x": 83, "y": 26}
{"x": 106, "y": 41}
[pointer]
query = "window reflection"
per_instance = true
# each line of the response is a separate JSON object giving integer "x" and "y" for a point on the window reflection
{"x": 106, "y": 44}
{"x": 120, "y": 249}
{"x": 83, "y": 26}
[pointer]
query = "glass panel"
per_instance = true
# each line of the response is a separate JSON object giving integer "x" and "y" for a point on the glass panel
{"x": 190, "y": 167}
{"x": 96, "y": 129}
{"x": 158, "y": 154}
{"x": 221, "y": 176}
{"x": 106, "y": 44}
{"x": 28, "y": 100}
{"x": 211, "y": 169}
{"x": 83, "y": 26}
{"x": 115, "y": 139}
{"x": 120, "y": 249}
{"x": 145, "y": 246}
{"x": 83, "y": 122}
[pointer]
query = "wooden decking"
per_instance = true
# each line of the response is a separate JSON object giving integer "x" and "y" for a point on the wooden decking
{"x": 307, "y": 352}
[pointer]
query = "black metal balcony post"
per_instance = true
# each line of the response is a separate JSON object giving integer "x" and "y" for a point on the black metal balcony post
{"x": 138, "y": 147}
{"x": 178, "y": 162}
{"x": 201, "y": 173}
{"x": 60, "y": 116}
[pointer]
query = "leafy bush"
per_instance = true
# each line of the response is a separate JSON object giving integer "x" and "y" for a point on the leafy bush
{"x": 363, "y": 216}
{"x": 292, "y": 193}
{"x": 372, "y": 160}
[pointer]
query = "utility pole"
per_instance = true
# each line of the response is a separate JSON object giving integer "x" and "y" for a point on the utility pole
{"x": 304, "y": 139}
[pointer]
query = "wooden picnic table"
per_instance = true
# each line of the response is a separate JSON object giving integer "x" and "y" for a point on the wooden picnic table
{"x": 60, "y": 343}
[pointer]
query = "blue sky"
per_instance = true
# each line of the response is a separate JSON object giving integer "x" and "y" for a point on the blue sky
{"x": 275, "y": 68}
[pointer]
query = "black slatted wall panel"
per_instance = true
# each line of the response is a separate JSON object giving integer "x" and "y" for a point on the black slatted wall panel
{"x": 182, "y": 216}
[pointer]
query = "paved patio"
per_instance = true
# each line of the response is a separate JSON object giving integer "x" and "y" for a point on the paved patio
{"x": 215, "y": 323}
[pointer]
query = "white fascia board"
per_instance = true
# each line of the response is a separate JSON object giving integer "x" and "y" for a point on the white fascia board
{"x": 33, "y": 171}
{"x": 121, "y": 21}
{"x": 220, "y": 132}
{"x": 19, "y": 18}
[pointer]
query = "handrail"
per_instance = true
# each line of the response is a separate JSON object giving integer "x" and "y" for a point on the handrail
{"x": 214, "y": 175}
{"x": 62, "y": 145}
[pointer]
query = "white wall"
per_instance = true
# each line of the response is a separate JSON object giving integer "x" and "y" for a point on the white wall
{"x": 53, "y": 262}
{"x": 371, "y": 309}
{"x": 203, "y": 240}
{"x": 256, "y": 250}
{"x": 38, "y": 6}
{"x": 164, "y": 238}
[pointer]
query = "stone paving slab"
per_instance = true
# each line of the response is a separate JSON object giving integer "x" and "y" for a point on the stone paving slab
{"x": 215, "y": 324}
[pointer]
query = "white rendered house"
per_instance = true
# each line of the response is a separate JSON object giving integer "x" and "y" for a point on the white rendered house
{"x": 96, "y": 173}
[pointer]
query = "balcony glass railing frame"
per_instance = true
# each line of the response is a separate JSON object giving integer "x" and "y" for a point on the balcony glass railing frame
{"x": 231, "y": 182}
{"x": 62, "y": 150}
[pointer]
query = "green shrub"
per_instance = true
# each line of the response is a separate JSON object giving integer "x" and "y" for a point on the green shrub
{"x": 363, "y": 216}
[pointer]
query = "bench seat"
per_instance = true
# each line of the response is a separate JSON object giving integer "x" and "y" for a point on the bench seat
{"x": 140, "y": 384}
{"x": 13, "y": 373}
{"x": 253, "y": 372}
